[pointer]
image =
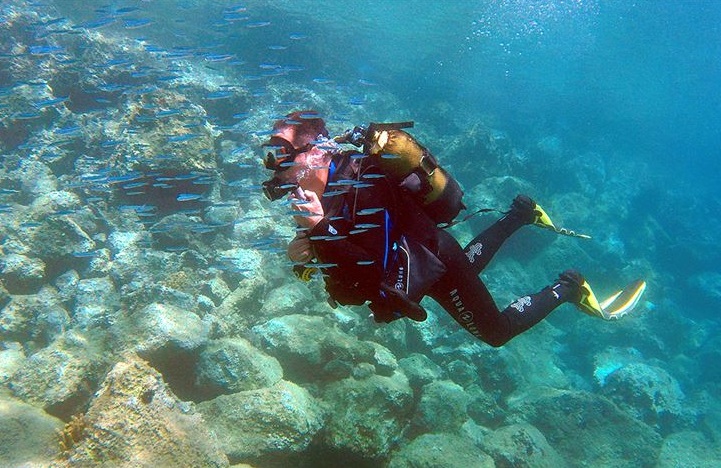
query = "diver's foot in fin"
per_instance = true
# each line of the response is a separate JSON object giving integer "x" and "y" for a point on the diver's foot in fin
{"x": 526, "y": 209}
{"x": 615, "y": 307}
{"x": 585, "y": 298}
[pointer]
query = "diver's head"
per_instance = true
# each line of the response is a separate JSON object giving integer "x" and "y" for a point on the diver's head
{"x": 300, "y": 128}
{"x": 292, "y": 154}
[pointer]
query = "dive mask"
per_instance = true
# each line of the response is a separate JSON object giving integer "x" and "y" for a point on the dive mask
{"x": 280, "y": 154}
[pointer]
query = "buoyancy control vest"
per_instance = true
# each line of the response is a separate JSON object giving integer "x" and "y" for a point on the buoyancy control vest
{"x": 409, "y": 265}
{"x": 415, "y": 169}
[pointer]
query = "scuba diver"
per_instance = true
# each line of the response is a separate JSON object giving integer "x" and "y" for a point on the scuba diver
{"x": 370, "y": 221}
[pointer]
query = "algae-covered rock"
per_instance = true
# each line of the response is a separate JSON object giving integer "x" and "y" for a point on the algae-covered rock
{"x": 394, "y": 336}
{"x": 95, "y": 301}
{"x": 484, "y": 407}
{"x": 162, "y": 326}
{"x": 498, "y": 369}
{"x": 4, "y": 295}
{"x": 521, "y": 445}
{"x": 233, "y": 365}
{"x": 462, "y": 372}
{"x": 587, "y": 429}
{"x": 689, "y": 448}
{"x": 383, "y": 359}
{"x": 278, "y": 420}
{"x": 286, "y": 299}
{"x": 35, "y": 177}
{"x": 170, "y": 338}
{"x": 135, "y": 420}
{"x": 12, "y": 357}
{"x": 440, "y": 451}
{"x": 241, "y": 306}
{"x": 442, "y": 407}
{"x": 53, "y": 202}
{"x": 60, "y": 237}
{"x": 61, "y": 377}
{"x": 28, "y": 435}
{"x": 420, "y": 370}
{"x": 22, "y": 274}
{"x": 216, "y": 289}
{"x": 305, "y": 345}
{"x": 367, "y": 417}
{"x": 40, "y": 317}
{"x": 649, "y": 392}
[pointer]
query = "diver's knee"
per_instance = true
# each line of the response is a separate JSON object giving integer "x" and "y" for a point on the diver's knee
{"x": 495, "y": 340}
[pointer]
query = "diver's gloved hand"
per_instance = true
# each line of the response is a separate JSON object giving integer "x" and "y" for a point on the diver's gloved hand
{"x": 355, "y": 137}
{"x": 396, "y": 304}
{"x": 523, "y": 208}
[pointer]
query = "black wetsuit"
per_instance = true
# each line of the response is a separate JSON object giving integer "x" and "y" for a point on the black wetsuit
{"x": 362, "y": 216}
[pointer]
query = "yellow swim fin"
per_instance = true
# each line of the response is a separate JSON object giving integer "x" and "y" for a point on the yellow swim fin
{"x": 616, "y": 306}
{"x": 624, "y": 301}
{"x": 588, "y": 302}
{"x": 543, "y": 220}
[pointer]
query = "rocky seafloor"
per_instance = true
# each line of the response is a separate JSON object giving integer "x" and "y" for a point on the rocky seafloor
{"x": 148, "y": 316}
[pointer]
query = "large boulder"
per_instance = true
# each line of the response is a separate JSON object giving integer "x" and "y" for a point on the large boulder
{"x": 312, "y": 348}
{"x": 60, "y": 378}
{"x": 648, "y": 392}
{"x": 499, "y": 369}
{"x": 442, "y": 407}
{"x": 95, "y": 302}
{"x": 367, "y": 417}
{"x": 170, "y": 338}
{"x": 233, "y": 365}
{"x": 485, "y": 408}
{"x": 440, "y": 451}
{"x": 39, "y": 318}
{"x": 58, "y": 238}
{"x": 28, "y": 435}
{"x": 162, "y": 326}
{"x": 22, "y": 274}
{"x": 587, "y": 429}
{"x": 287, "y": 299}
{"x": 277, "y": 421}
{"x": 420, "y": 370}
{"x": 521, "y": 445}
{"x": 135, "y": 420}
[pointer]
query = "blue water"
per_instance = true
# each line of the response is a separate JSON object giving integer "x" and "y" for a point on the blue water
{"x": 607, "y": 112}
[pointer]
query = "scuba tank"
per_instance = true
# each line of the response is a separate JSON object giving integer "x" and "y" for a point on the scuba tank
{"x": 415, "y": 169}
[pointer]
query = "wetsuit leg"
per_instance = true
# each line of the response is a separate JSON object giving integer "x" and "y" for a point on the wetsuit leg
{"x": 464, "y": 296}
{"x": 484, "y": 246}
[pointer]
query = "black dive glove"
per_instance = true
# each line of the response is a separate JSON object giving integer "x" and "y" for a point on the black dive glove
{"x": 355, "y": 137}
{"x": 523, "y": 208}
{"x": 396, "y": 304}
